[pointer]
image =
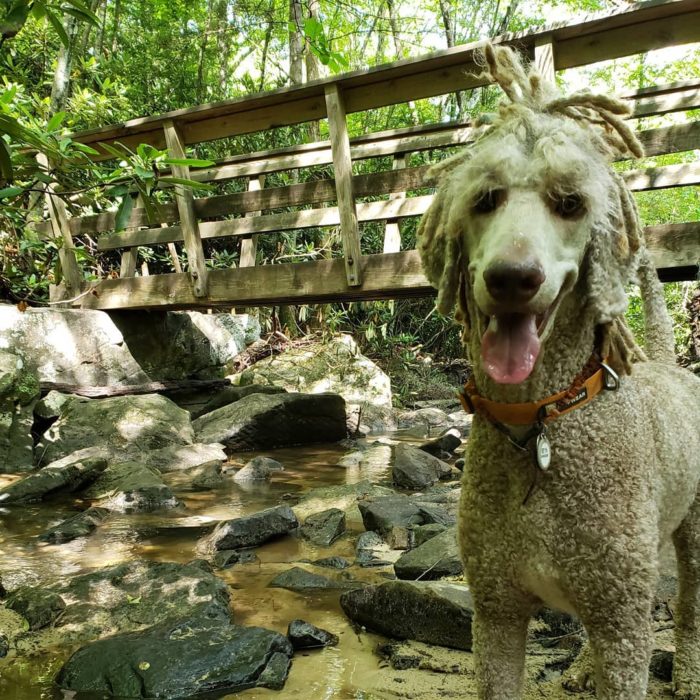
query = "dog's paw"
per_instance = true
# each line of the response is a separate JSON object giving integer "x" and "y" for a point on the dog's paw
{"x": 578, "y": 680}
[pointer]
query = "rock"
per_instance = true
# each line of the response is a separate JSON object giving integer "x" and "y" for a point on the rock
{"x": 226, "y": 558}
{"x": 352, "y": 459}
{"x": 38, "y": 606}
{"x": 462, "y": 421}
{"x": 336, "y": 366}
{"x": 207, "y": 476}
{"x": 81, "y": 347}
{"x": 371, "y": 550}
{"x": 4, "y": 646}
{"x": 427, "y": 419}
{"x": 261, "y": 421}
{"x": 435, "y": 514}
{"x": 49, "y": 408}
{"x": 183, "y": 344}
{"x": 199, "y": 402}
{"x": 258, "y": 469}
{"x": 179, "y": 658}
{"x": 344, "y": 497}
{"x": 63, "y": 475}
{"x": 79, "y": 525}
{"x": 304, "y": 635}
{"x": 324, "y": 528}
{"x": 436, "y": 613}
{"x": 252, "y": 530}
{"x": 383, "y": 514}
{"x": 410, "y": 654}
{"x": 177, "y": 458}
{"x": 447, "y": 442}
{"x": 131, "y": 486}
{"x": 437, "y": 557}
{"x": 423, "y": 533}
{"x": 416, "y": 469}
{"x": 298, "y": 579}
{"x": 146, "y": 422}
{"x": 368, "y": 419}
{"x": 19, "y": 390}
{"x": 661, "y": 665}
{"x": 332, "y": 562}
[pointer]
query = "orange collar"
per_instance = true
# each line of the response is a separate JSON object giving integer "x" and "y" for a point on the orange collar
{"x": 593, "y": 378}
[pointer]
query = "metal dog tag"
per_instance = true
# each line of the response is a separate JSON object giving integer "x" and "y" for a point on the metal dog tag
{"x": 543, "y": 452}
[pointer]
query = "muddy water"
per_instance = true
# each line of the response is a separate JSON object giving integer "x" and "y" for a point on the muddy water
{"x": 350, "y": 671}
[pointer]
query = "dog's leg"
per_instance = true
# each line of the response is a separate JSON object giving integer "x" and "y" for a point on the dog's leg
{"x": 500, "y": 632}
{"x": 580, "y": 676}
{"x": 686, "y": 666}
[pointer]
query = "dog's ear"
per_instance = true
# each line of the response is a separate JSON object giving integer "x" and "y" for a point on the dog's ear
{"x": 613, "y": 253}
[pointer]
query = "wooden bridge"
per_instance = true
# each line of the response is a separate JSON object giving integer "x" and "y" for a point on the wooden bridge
{"x": 356, "y": 276}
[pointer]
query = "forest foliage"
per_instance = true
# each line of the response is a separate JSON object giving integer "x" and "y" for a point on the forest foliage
{"x": 69, "y": 65}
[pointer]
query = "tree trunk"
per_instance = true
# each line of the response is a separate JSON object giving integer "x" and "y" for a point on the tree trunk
{"x": 61, "y": 78}
{"x": 457, "y": 101}
{"x": 115, "y": 25}
{"x": 203, "y": 52}
{"x": 266, "y": 44}
{"x": 223, "y": 45}
{"x": 296, "y": 45}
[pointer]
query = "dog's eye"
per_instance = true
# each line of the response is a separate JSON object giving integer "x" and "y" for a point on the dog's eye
{"x": 489, "y": 201}
{"x": 568, "y": 206}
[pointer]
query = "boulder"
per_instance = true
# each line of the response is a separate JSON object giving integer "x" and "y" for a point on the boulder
{"x": 446, "y": 443}
{"x": 325, "y": 527}
{"x": 199, "y": 402}
{"x": 298, "y": 579}
{"x": 462, "y": 421}
{"x": 177, "y": 458}
{"x": 304, "y": 635}
{"x": 146, "y": 422}
{"x": 207, "y": 476}
{"x": 334, "y": 366}
{"x": 437, "y": 557}
{"x": 179, "y": 658}
{"x": 384, "y": 514}
{"x": 427, "y": 420}
{"x": 415, "y": 469}
{"x": 262, "y": 421}
{"x": 131, "y": 486}
{"x": 437, "y": 514}
{"x": 19, "y": 391}
{"x": 258, "y": 469}
{"x": 371, "y": 550}
{"x": 423, "y": 533}
{"x": 185, "y": 344}
{"x": 68, "y": 474}
{"x": 81, "y": 347}
{"x": 79, "y": 525}
{"x": 432, "y": 612}
{"x": 252, "y": 530}
{"x": 344, "y": 497}
{"x": 334, "y": 562}
{"x": 38, "y": 606}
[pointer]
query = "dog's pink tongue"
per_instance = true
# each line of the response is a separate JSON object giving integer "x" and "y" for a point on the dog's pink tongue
{"x": 510, "y": 347}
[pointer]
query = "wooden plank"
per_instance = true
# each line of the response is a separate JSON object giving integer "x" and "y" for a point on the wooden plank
{"x": 342, "y": 165}
{"x": 172, "y": 249}
{"x": 60, "y": 231}
{"x": 544, "y": 57}
{"x": 293, "y": 220}
{"x": 671, "y": 139}
{"x": 674, "y": 245}
{"x": 249, "y": 246}
{"x": 392, "y": 231}
{"x": 128, "y": 262}
{"x": 681, "y": 175}
{"x": 663, "y": 89}
{"x": 188, "y": 219}
{"x": 665, "y": 104}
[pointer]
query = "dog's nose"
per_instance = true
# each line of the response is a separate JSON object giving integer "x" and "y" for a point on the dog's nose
{"x": 514, "y": 281}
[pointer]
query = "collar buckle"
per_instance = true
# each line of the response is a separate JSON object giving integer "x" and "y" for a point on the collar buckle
{"x": 611, "y": 380}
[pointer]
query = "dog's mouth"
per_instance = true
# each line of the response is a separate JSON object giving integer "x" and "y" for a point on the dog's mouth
{"x": 511, "y": 342}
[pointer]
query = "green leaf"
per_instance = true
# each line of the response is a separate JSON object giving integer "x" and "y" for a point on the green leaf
{"x": 112, "y": 150}
{"x": 5, "y": 161}
{"x": 313, "y": 28}
{"x": 193, "y": 162}
{"x": 58, "y": 26}
{"x": 124, "y": 211}
{"x": 85, "y": 149}
{"x": 8, "y": 192}
{"x": 188, "y": 183}
{"x": 117, "y": 191}
{"x": 55, "y": 121}
{"x": 83, "y": 14}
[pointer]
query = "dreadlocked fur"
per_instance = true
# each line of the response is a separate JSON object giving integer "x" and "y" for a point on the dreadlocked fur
{"x": 532, "y": 108}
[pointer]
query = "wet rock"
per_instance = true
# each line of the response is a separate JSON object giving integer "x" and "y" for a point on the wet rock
{"x": 146, "y": 422}
{"x": 343, "y": 497}
{"x": 661, "y": 665}
{"x": 79, "y": 525}
{"x": 423, "y": 533}
{"x": 437, "y": 557}
{"x": 49, "y": 408}
{"x": 383, "y": 514}
{"x": 229, "y": 557}
{"x": 4, "y": 646}
{"x": 428, "y": 419}
{"x": 252, "y": 530}
{"x": 432, "y": 612}
{"x": 447, "y": 442}
{"x": 324, "y": 528}
{"x": 38, "y": 606}
{"x": 177, "y": 458}
{"x": 179, "y": 659}
{"x": 332, "y": 562}
{"x": 415, "y": 469}
{"x": 371, "y": 550}
{"x": 459, "y": 464}
{"x": 368, "y": 419}
{"x": 304, "y": 635}
{"x": 261, "y": 421}
{"x": 19, "y": 391}
{"x": 131, "y": 486}
{"x": 410, "y": 654}
{"x": 199, "y": 403}
{"x": 64, "y": 475}
{"x": 462, "y": 421}
{"x": 207, "y": 476}
{"x": 201, "y": 564}
{"x": 258, "y": 469}
{"x": 352, "y": 459}
{"x": 298, "y": 579}
{"x": 437, "y": 514}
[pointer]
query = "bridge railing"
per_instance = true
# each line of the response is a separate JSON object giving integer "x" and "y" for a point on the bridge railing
{"x": 189, "y": 221}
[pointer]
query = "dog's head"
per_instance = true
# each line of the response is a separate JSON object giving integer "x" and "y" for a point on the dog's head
{"x": 524, "y": 213}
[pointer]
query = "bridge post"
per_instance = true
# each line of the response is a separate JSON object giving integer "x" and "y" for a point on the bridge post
{"x": 342, "y": 165}
{"x": 544, "y": 56}
{"x": 60, "y": 231}
{"x": 185, "y": 205}
{"x": 392, "y": 231}
{"x": 249, "y": 245}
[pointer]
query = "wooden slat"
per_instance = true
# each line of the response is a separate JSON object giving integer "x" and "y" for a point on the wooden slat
{"x": 249, "y": 246}
{"x": 392, "y": 230}
{"x": 681, "y": 175}
{"x": 342, "y": 165}
{"x": 128, "y": 262}
{"x": 674, "y": 245}
{"x": 366, "y": 211}
{"x": 544, "y": 57}
{"x": 197, "y": 270}
{"x": 665, "y": 104}
{"x": 671, "y": 139}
